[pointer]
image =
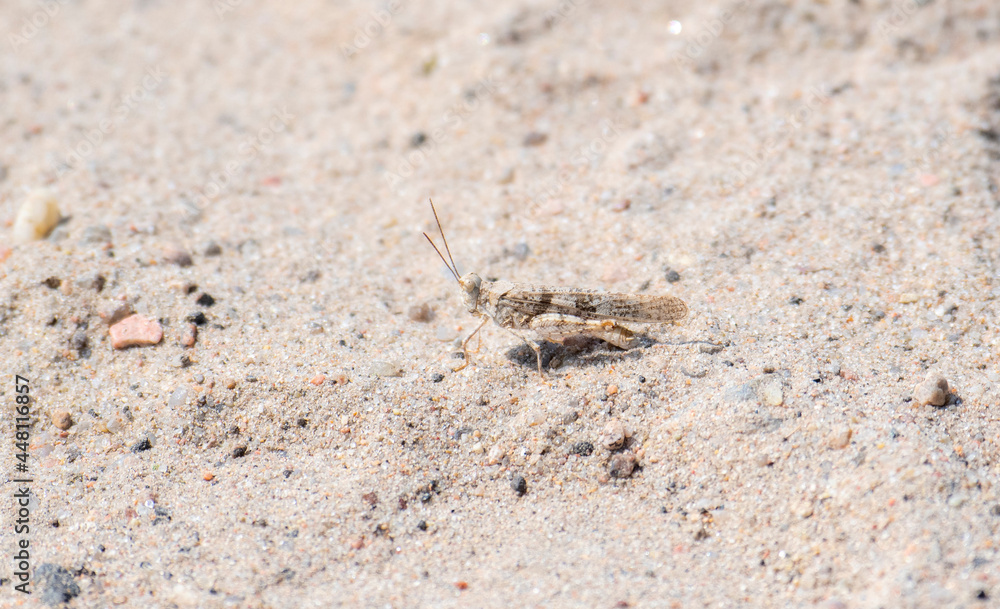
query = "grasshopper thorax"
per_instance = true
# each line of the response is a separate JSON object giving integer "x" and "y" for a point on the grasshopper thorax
{"x": 470, "y": 283}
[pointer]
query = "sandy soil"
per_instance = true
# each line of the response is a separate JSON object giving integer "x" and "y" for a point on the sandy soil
{"x": 818, "y": 181}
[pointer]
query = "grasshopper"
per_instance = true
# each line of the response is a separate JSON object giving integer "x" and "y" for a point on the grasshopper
{"x": 555, "y": 314}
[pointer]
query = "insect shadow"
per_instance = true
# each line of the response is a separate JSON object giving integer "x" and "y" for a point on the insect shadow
{"x": 579, "y": 352}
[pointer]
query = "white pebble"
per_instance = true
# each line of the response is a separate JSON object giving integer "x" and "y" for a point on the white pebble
{"x": 38, "y": 215}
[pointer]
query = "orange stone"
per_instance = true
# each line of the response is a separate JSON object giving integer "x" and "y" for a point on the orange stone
{"x": 135, "y": 331}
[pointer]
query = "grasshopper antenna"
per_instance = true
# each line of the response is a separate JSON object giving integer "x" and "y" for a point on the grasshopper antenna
{"x": 451, "y": 267}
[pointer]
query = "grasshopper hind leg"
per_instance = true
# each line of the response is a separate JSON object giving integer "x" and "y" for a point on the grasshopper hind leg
{"x": 558, "y": 327}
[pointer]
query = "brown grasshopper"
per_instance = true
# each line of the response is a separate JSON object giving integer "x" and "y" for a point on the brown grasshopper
{"x": 556, "y": 314}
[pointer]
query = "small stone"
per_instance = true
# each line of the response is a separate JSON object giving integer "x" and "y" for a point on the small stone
{"x": 62, "y": 419}
{"x": 317, "y": 380}
{"x": 710, "y": 349}
{"x": 612, "y": 389}
{"x": 78, "y": 342}
{"x": 212, "y": 249}
{"x": 623, "y": 205}
{"x": 803, "y": 509}
{"x": 507, "y": 176}
{"x": 908, "y": 298}
{"x": 938, "y": 380}
{"x": 929, "y": 394}
{"x": 207, "y": 476}
{"x": 422, "y": 525}
{"x": 55, "y": 584}
{"x": 175, "y": 255}
{"x": 387, "y": 369}
{"x": 496, "y": 454}
{"x": 535, "y": 138}
{"x": 840, "y": 439}
{"x": 421, "y": 312}
{"x": 178, "y": 398}
{"x": 437, "y": 377}
{"x": 519, "y": 484}
{"x": 205, "y": 300}
{"x": 772, "y": 394}
{"x": 97, "y": 234}
{"x": 477, "y": 448}
{"x": 739, "y": 393}
{"x": 672, "y": 276}
{"x": 189, "y": 336}
{"x": 445, "y": 333}
{"x": 115, "y": 311}
{"x": 568, "y": 415}
{"x": 239, "y": 452}
{"x": 583, "y": 449}
{"x": 135, "y": 331}
{"x": 37, "y": 216}
{"x": 198, "y": 318}
{"x": 418, "y": 139}
{"x": 622, "y": 465}
{"x": 613, "y": 436}
{"x": 142, "y": 445}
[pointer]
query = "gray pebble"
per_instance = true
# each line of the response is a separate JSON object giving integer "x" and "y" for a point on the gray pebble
{"x": 387, "y": 369}
{"x": 78, "y": 342}
{"x": 622, "y": 465}
{"x": 97, "y": 234}
{"x": 740, "y": 393}
{"x": 421, "y": 312}
{"x": 710, "y": 349}
{"x": 178, "y": 398}
{"x": 212, "y": 249}
{"x": 672, "y": 276}
{"x": 176, "y": 255}
{"x": 56, "y": 584}
{"x": 519, "y": 484}
{"x": 142, "y": 445}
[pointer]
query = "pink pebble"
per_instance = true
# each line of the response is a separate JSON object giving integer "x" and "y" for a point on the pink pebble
{"x": 135, "y": 331}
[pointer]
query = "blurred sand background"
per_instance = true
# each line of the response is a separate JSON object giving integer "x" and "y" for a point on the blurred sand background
{"x": 819, "y": 181}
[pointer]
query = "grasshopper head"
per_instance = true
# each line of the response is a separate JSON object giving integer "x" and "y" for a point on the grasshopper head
{"x": 470, "y": 283}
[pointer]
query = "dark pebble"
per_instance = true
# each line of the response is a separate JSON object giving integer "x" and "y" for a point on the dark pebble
{"x": 422, "y": 525}
{"x": 52, "y": 282}
{"x": 197, "y": 318}
{"x": 56, "y": 584}
{"x": 437, "y": 377}
{"x": 239, "y": 451}
{"x": 535, "y": 139}
{"x": 673, "y": 276}
{"x": 141, "y": 446}
{"x": 584, "y": 449}
{"x": 418, "y": 139}
{"x": 795, "y": 300}
{"x": 212, "y": 249}
{"x": 519, "y": 484}
{"x": 205, "y": 300}
{"x": 78, "y": 342}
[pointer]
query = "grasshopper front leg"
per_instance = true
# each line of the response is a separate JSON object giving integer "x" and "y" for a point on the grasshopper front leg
{"x": 465, "y": 344}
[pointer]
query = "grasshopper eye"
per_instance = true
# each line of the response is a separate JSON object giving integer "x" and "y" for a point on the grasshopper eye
{"x": 471, "y": 284}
